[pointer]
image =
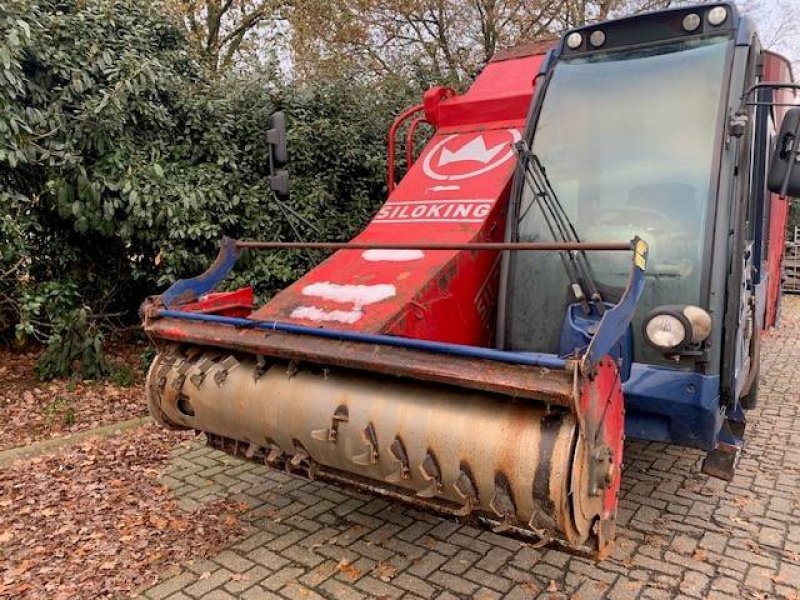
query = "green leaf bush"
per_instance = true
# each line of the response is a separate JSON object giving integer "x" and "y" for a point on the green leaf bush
{"x": 122, "y": 163}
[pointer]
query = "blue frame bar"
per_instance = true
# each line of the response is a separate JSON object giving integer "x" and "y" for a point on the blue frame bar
{"x": 534, "y": 359}
{"x": 616, "y": 320}
{"x": 184, "y": 291}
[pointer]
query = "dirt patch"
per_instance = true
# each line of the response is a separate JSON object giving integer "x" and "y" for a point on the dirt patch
{"x": 92, "y": 521}
{"x": 31, "y": 410}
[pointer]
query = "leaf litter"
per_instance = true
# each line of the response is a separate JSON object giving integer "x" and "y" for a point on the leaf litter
{"x": 32, "y": 410}
{"x": 92, "y": 521}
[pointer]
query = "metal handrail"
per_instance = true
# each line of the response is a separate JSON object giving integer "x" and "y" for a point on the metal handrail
{"x": 401, "y": 118}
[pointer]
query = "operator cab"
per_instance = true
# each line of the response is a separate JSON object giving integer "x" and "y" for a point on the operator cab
{"x": 640, "y": 127}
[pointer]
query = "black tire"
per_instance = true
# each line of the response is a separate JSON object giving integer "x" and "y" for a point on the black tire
{"x": 750, "y": 399}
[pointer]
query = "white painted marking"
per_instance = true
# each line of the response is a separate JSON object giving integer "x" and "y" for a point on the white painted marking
{"x": 476, "y": 149}
{"x": 357, "y": 295}
{"x": 444, "y": 188}
{"x": 387, "y": 255}
{"x": 456, "y": 200}
{"x": 312, "y": 313}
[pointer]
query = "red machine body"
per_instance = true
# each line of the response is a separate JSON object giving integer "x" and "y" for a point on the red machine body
{"x": 456, "y": 191}
{"x": 776, "y": 68}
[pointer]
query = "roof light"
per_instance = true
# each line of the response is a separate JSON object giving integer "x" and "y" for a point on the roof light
{"x": 574, "y": 40}
{"x": 717, "y": 15}
{"x": 691, "y": 22}
{"x": 597, "y": 39}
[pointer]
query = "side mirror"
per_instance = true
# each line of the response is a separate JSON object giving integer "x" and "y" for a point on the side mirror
{"x": 279, "y": 183}
{"x": 276, "y": 138}
{"x": 784, "y": 171}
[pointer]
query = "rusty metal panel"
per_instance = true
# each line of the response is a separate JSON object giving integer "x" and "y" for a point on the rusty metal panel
{"x": 535, "y": 383}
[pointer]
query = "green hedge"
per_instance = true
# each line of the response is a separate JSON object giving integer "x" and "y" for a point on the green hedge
{"x": 122, "y": 164}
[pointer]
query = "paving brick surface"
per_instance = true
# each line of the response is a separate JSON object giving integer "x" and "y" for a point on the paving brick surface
{"x": 682, "y": 534}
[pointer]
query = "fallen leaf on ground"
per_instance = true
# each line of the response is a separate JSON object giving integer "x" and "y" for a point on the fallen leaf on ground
{"x": 385, "y": 571}
{"x": 348, "y": 569}
{"x": 68, "y": 533}
{"x": 700, "y": 554}
{"x": 31, "y": 411}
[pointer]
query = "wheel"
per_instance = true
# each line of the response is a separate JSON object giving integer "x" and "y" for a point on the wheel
{"x": 750, "y": 399}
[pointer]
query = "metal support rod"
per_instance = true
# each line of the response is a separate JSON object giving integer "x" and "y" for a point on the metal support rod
{"x": 489, "y": 246}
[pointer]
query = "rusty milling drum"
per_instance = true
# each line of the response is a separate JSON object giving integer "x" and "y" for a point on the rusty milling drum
{"x": 518, "y": 463}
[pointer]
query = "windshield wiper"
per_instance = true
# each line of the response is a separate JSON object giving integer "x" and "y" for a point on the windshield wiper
{"x": 576, "y": 263}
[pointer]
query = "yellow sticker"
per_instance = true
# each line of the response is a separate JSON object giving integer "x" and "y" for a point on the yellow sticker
{"x": 640, "y": 260}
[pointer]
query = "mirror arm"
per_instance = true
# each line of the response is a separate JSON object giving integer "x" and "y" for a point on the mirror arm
{"x": 766, "y": 85}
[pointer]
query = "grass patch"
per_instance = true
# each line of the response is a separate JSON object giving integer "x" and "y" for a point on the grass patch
{"x": 122, "y": 375}
{"x": 60, "y": 410}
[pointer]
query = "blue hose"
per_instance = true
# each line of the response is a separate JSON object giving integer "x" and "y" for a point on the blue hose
{"x": 534, "y": 359}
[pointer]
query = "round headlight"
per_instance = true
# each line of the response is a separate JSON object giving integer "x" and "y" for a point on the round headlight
{"x": 700, "y": 322}
{"x": 691, "y": 22}
{"x": 673, "y": 328}
{"x": 574, "y": 40}
{"x": 717, "y": 15}
{"x": 597, "y": 38}
{"x": 665, "y": 331}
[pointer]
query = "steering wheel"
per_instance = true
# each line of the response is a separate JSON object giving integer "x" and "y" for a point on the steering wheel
{"x": 672, "y": 246}
{"x": 641, "y": 219}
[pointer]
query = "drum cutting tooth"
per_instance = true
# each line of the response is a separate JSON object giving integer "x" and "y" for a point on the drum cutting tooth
{"x": 299, "y": 458}
{"x": 340, "y": 415}
{"x": 251, "y": 450}
{"x": 502, "y": 502}
{"x": 292, "y": 368}
{"x": 274, "y": 456}
{"x": 191, "y": 351}
{"x": 430, "y": 471}
{"x": 370, "y": 457}
{"x": 180, "y": 378}
{"x": 169, "y": 357}
{"x": 465, "y": 487}
{"x": 398, "y": 452}
{"x": 322, "y": 435}
{"x": 202, "y": 370}
{"x": 225, "y": 367}
{"x": 262, "y": 365}
{"x": 162, "y": 376}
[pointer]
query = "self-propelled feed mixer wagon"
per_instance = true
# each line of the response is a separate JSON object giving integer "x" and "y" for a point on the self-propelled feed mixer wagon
{"x": 485, "y": 344}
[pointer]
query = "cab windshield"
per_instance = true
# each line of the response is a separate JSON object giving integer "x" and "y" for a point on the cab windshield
{"x": 628, "y": 142}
